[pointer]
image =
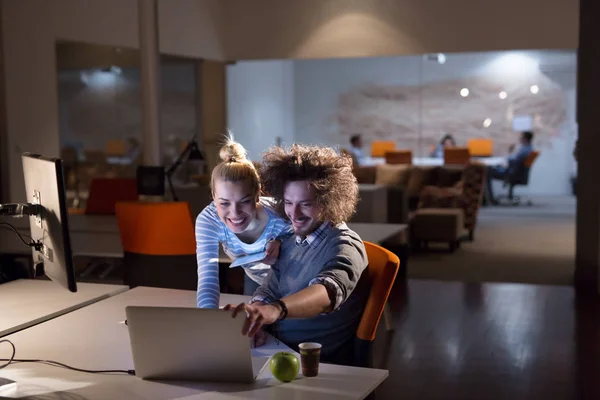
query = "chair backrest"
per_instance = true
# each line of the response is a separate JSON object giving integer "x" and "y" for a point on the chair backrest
{"x": 531, "y": 158}
{"x": 156, "y": 228}
{"x": 398, "y": 157}
{"x": 456, "y": 156}
{"x": 379, "y": 147}
{"x": 473, "y": 188}
{"x": 116, "y": 148}
{"x": 383, "y": 268}
{"x": 159, "y": 244}
{"x": 480, "y": 147}
{"x": 519, "y": 174}
{"x": 106, "y": 192}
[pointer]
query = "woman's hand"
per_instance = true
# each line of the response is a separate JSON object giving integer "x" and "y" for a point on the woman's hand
{"x": 272, "y": 252}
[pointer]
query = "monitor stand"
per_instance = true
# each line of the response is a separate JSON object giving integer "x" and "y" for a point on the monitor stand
{"x": 6, "y": 384}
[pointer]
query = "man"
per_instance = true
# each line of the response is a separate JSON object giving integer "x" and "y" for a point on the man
{"x": 356, "y": 149}
{"x": 312, "y": 293}
{"x": 516, "y": 162}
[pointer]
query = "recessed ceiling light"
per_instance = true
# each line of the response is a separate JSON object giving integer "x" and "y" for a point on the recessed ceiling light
{"x": 503, "y": 95}
{"x": 534, "y": 89}
{"x": 464, "y": 92}
{"x": 487, "y": 122}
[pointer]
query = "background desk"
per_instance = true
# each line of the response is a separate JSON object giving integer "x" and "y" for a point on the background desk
{"x": 27, "y": 302}
{"x": 94, "y": 338}
{"x": 434, "y": 161}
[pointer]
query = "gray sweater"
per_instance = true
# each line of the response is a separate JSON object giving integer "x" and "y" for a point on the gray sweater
{"x": 336, "y": 255}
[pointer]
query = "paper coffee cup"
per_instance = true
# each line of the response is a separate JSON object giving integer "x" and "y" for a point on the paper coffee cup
{"x": 310, "y": 353}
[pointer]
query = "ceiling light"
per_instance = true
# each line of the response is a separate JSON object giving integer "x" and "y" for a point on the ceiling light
{"x": 534, "y": 89}
{"x": 487, "y": 122}
{"x": 464, "y": 92}
{"x": 502, "y": 95}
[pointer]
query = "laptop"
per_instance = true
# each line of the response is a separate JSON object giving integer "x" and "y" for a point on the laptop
{"x": 191, "y": 344}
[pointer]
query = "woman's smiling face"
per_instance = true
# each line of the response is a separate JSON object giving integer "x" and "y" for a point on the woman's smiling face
{"x": 236, "y": 204}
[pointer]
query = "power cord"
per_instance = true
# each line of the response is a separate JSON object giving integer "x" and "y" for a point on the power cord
{"x": 33, "y": 243}
{"x": 13, "y": 360}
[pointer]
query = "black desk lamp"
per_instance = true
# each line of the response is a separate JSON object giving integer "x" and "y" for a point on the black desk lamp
{"x": 193, "y": 153}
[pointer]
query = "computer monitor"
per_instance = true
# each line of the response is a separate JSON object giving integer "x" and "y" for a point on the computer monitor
{"x": 48, "y": 220}
{"x": 44, "y": 185}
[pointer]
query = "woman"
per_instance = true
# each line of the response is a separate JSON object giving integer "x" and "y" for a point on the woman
{"x": 240, "y": 221}
{"x": 446, "y": 142}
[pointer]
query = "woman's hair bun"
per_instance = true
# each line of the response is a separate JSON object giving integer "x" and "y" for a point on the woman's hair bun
{"x": 233, "y": 152}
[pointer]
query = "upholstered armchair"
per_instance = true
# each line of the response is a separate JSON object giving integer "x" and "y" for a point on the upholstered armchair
{"x": 466, "y": 194}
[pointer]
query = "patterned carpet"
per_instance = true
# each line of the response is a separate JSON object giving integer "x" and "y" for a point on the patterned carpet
{"x": 512, "y": 244}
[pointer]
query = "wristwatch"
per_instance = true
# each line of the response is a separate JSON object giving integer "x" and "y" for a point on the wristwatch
{"x": 284, "y": 310}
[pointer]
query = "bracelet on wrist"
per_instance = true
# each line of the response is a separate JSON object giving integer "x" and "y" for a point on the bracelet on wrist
{"x": 284, "y": 311}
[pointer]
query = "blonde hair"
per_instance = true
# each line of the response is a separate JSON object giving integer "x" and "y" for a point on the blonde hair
{"x": 235, "y": 167}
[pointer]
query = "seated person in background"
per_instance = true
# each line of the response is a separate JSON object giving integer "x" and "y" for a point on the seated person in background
{"x": 240, "y": 221}
{"x": 356, "y": 149}
{"x": 447, "y": 141}
{"x": 312, "y": 293}
{"x": 513, "y": 164}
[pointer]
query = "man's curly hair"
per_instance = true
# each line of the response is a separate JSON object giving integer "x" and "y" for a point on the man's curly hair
{"x": 328, "y": 172}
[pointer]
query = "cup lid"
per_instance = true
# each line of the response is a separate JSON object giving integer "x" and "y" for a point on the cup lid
{"x": 309, "y": 346}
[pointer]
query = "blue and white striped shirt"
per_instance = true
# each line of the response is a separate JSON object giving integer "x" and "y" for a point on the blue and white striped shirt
{"x": 211, "y": 231}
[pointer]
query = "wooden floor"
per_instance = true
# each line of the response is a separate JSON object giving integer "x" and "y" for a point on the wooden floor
{"x": 490, "y": 341}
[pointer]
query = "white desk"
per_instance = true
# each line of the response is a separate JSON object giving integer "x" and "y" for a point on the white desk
{"x": 27, "y": 302}
{"x": 94, "y": 338}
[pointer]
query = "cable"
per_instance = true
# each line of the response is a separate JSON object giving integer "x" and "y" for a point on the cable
{"x": 17, "y": 232}
{"x": 12, "y": 357}
{"x": 13, "y": 360}
{"x": 33, "y": 243}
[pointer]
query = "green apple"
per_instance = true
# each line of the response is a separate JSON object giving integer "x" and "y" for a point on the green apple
{"x": 284, "y": 366}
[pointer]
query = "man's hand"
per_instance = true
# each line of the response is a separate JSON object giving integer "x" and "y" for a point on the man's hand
{"x": 257, "y": 315}
{"x": 272, "y": 252}
{"x": 259, "y": 339}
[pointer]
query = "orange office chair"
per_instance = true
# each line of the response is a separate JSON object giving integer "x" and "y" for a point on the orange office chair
{"x": 382, "y": 270}
{"x": 520, "y": 176}
{"x": 378, "y": 148}
{"x": 398, "y": 157}
{"x": 116, "y": 148}
{"x": 480, "y": 147}
{"x": 159, "y": 244}
{"x": 456, "y": 156}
